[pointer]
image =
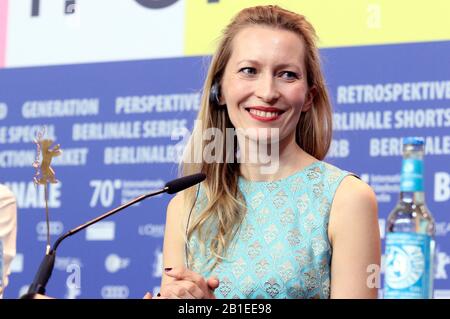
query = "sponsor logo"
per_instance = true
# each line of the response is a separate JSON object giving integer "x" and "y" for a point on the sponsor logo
{"x": 56, "y": 228}
{"x": 115, "y": 292}
{"x": 157, "y": 263}
{"x": 152, "y": 230}
{"x": 101, "y": 231}
{"x": 113, "y": 263}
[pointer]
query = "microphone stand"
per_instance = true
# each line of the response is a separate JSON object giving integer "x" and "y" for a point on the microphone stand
{"x": 46, "y": 267}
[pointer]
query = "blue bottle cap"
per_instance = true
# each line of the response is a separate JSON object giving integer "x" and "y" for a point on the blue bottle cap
{"x": 413, "y": 140}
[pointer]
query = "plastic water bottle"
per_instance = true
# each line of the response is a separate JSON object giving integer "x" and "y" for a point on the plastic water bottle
{"x": 410, "y": 232}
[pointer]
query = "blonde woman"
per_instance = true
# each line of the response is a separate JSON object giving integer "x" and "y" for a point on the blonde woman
{"x": 305, "y": 229}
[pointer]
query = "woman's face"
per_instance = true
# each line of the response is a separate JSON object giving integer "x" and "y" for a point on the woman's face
{"x": 264, "y": 84}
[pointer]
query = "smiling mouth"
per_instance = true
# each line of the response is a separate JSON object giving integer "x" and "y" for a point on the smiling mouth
{"x": 266, "y": 114}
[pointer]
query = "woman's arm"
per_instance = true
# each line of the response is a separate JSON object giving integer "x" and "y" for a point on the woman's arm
{"x": 178, "y": 281}
{"x": 173, "y": 249}
{"x": 355, "y": 239}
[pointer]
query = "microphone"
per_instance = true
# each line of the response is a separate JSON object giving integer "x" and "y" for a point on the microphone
{"x": 182, "y": 183}
{"x": 46, "y": 267}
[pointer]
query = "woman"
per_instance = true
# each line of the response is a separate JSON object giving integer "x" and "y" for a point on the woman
{"x": 305, "y": 230}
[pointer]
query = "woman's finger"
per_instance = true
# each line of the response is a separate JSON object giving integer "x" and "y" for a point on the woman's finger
{"x": 148, "y": 295}
{"x": 213, "y": 282}
{"x": 182, "y": 289}
{"x": 182, "y": 273}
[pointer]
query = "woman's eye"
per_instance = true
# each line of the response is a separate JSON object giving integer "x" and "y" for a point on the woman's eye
{"x": 248, "y": 70}
{"x": 289, "y": 75}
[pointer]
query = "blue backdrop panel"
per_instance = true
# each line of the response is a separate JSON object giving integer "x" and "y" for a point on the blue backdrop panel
{"x": 141, "y": 100}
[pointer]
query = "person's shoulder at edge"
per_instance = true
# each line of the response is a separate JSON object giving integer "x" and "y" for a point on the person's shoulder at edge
{"x": 8, "y": 231}
{"x": 8, "y": 207}
{"x": 6, "y": 196}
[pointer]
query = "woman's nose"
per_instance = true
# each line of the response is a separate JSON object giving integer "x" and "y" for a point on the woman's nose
{"x": 266, "y": 89}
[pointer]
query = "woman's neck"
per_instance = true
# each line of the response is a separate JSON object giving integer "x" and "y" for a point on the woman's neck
{"x": 289, "y": 159}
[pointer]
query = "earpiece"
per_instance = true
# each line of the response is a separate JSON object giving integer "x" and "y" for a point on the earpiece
{"x": 214, "y": 94}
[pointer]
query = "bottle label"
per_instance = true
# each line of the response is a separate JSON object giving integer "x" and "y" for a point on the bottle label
{"x": 412, "y": 175}
{"x": 408, "y": 257}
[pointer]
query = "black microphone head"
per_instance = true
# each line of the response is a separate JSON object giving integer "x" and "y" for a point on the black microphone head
{"x": 182, "y": 183}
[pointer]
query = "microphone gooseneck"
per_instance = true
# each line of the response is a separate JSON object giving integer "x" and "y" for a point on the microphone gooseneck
{"x": 46, "y": 267}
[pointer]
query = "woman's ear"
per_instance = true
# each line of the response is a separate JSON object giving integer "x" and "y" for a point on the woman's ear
{"x": 222, "y": 100}
{"x": 312, "y": 91}
{"x": 215, "y": 96}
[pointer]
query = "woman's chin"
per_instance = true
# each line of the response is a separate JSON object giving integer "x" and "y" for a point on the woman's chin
{"x": 260, "y": 134}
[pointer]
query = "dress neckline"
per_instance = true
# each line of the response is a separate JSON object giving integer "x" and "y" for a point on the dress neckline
{"x": 299, "y": 172}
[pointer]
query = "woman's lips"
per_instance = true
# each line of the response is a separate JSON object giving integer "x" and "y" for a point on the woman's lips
{"x": 264, "y": 114}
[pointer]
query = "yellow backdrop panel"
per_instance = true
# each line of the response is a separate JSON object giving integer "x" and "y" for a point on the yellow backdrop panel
{"x": 337, "y": 22}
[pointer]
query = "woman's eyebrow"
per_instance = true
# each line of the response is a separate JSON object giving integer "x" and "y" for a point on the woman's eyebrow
{"x": 288, "y": 65}
{"x": 248, "y": 61}
{"x": 278, "y": 66}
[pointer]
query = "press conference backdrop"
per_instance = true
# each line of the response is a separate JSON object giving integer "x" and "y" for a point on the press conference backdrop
{"x": 118, "y": 85}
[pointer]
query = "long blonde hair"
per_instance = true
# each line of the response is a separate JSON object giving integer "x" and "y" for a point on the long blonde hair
{"x": 224, "y": 207}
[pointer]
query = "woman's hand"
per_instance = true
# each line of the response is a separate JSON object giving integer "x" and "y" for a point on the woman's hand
{"x": 148, "y": 296}
{"x": 188, "y": 285}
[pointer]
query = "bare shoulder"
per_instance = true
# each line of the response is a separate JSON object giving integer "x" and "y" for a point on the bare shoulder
{"x": 354, "y": 193}
{"x": 354, "y": 235}
{"x": 176, "y": 203}
{"x": 176, "y": 210}
{"x": 354, "y": 204}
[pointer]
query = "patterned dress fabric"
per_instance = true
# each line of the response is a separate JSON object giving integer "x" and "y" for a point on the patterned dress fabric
{"x": 282, "y": 248}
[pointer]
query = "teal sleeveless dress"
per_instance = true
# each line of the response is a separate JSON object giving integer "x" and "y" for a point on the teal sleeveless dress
{"x": 282, "y": 248}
